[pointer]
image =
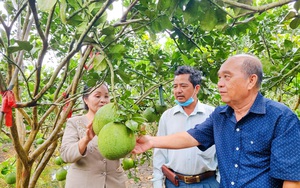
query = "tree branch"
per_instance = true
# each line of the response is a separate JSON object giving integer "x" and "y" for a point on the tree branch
{"x": 260, "y": 8}
{"x": 124, "y": 17}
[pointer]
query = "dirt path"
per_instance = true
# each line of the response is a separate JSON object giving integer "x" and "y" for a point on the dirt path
{"x": 145, "y": 175}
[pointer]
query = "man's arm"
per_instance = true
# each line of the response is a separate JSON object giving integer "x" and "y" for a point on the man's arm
{"x": 173, "y": 141}
{"x": 291, "y": 184}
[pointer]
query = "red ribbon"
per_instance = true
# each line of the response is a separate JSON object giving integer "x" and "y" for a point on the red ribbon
{"x": 8, "y": 102}
{"x": 66, "y": 105}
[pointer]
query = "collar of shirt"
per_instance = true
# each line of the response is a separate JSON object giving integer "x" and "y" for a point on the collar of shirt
{"x": 258, "y": 107}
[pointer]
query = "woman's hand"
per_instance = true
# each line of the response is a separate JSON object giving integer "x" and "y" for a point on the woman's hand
{"x": 83, "y": 142}
{"x": 89, "y": 132}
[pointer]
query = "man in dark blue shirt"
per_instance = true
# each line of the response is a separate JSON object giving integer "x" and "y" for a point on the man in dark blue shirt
{"x": 257, "y": 139}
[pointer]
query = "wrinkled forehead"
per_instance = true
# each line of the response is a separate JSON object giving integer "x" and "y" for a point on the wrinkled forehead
{"x": 233, "y": 64}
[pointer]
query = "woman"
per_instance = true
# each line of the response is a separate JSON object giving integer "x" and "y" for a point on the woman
{"x": 79, "y": 147}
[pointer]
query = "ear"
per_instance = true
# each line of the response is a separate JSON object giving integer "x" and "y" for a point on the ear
{"x": 197, "y": 88}
{"x": 252, "y": 81}
{"x": 84, "y": 100}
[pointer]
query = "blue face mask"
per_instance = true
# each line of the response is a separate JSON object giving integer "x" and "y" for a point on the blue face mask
{"x": 186, "y": 103}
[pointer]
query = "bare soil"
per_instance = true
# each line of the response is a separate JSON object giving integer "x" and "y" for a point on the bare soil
{"x": 144, "y": 173}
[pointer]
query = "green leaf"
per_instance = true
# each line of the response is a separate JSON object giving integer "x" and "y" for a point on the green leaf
{"x": 290, "y": 15}
{"x": 25, "y": 45}
{"x": 3, "y": 37}
{"x": 125, "y": 77}
{"x": 108, "y": 30}
{"x": 165, "y": 23}
{"x": 46, "y": 5}
{"x": 295, "y": 23}
{"x": 133, "y": 125}
{"x": 213, "y": 75}
{"x": 117, "y": 49}
{"x": 75, "y": 20}
{"x": 22, "y": 45}
{"x": 139, "y": 118}
{"x": 164, "y": 4}
{"x": 100, "y": 63}
{"x": 297, "y": 5}
{"x": 62, "y": 12}
{"x": 288, "y": 45}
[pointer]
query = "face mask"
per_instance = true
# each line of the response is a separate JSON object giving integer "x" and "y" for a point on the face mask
{"x": 186, "y": 103}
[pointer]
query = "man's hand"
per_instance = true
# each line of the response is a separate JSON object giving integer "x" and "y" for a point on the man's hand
{"x": 143, "y": 143}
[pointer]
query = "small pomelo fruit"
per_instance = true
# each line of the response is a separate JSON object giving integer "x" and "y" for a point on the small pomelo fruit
{"x": 103, "y": 116}
{"x": 160, "y": 108}
{"x": 39, "y": 141}
{"x": 58, "y": 160}
{"x": 10, "y": 178}
{"x": 115, "y": 141}
{"x": 61, "y": 174}
{"x": 150, "y": 114}
{"x": 127, "y": 163}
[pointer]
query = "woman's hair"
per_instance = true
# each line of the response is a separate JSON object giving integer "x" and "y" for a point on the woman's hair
{"x": 88, "y": 90}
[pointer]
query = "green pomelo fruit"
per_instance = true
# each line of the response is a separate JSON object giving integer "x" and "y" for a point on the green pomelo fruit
{"x": 39, "y": 141}
{"x": 115, "y": 141}
{"x": 127, "y": 163}
{"x": 150, "y": 114}
{"x": 61, "y": 174}
{"x": 160, "y": 108}
{"x": 58, "y": 160}
{"x": 103, "y": 116}
{"x": 10, "y": 178}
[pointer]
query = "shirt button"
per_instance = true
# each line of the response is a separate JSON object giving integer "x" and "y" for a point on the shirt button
{"x": 232, "y": 183}
{"x": 104, "y": 173}
{"x": 237, "y": 148}
{"x": 238, "y": 129}
{"x": 104, "y": 160}
{"x": 236, "y": 165}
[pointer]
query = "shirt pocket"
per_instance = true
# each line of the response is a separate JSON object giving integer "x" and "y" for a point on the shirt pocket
{"x": 257, "y": 144}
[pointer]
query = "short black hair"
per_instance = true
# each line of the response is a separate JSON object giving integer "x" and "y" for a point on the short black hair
{"x": 195, "y": 75}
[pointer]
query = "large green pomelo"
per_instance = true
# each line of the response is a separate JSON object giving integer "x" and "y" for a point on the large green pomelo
{"x": 103, "y": 116}
{"x": 115, "y": 141}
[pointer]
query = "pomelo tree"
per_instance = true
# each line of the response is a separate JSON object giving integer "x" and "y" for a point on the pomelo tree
{"x": 50, "y": 49}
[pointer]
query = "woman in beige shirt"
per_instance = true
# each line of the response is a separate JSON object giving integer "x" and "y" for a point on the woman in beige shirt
{"x": 79, "y": 147}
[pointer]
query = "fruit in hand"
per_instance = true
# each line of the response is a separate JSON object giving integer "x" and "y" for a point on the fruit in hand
{"x": 115, "y": 141}
{"x": 10, "y": 178}
{"x": 127, "y": 163}
{"x": 104, "y": 115}
{"x": 61, "y": 174}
